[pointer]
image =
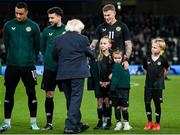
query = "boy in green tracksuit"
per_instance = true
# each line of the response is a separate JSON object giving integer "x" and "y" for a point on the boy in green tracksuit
{"x": 22, "y": 41}
{"x": 119, "y": 90}
{"x": 49, "y": 76}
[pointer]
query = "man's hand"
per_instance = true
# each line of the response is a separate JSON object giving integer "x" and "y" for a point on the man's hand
{"x": 93, "y": 44}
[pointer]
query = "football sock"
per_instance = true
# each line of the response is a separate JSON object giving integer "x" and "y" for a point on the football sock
{"x": 8, "y": 105}
{"x": 8, "y": 121}
{"x": 32, "y": 102}
{"x": 158, "y": 112}
{"x": 125, "y": 115}
{"x": 117, "y": 114}
{"x": 148, "y": 111}
{"x": 108, "y": 111}
{"x": 32, "y": 119}
{"x": 49, "y": 107}
{"x": 100, "y": 113}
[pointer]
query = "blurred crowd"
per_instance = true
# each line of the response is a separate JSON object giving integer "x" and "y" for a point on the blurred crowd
{"x": 143, "y": 29}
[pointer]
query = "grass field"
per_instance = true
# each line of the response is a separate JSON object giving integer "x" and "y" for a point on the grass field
{"x": 170, "y": 120}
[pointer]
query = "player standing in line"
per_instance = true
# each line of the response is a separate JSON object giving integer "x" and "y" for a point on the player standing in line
{"x": 50, "y": 67}
{"x": 156, "y": 68}
{"x": 22, "y": 41}
{"x": 119, "y": 90}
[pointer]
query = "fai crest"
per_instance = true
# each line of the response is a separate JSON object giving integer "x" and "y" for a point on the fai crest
{"x": 28, "y": 29}
{"x": 118, "y": 28}
{"x": 159, "y": 63}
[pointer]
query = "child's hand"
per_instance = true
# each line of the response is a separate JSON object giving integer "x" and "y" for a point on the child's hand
{"x": 110, "y": 76}
{"x": 101, "y": 84}
{"x": 165, "y": 72}
{"x": 104, "y": 84}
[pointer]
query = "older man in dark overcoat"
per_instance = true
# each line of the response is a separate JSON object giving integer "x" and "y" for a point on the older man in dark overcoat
{"x": 71, "y": 51}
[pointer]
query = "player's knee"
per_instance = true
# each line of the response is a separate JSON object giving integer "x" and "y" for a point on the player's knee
{"x": 9, "y": 95}
{"x": 100, "y": 103}
{"x": 31, "y": 93}
{"x": 107, "y": 100}
{"x": 124, "y": 108}
{"x": 117, "y": 107}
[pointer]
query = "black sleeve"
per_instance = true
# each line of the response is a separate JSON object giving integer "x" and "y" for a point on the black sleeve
{"x": 55, "y": 51}
{"x": 165, "y": 63}
{"x": 126, "y": 34}
{"x": 97, "y": 33}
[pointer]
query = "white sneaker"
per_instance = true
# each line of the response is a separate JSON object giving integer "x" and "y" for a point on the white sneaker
{"x": 4, "y": 127}
{"x": 127, "y": 126}
{"x": 118, "y": 126}
{"x": 34, "y": 126}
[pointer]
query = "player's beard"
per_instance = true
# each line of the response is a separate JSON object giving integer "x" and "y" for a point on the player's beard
{"x": 52, "y": 23}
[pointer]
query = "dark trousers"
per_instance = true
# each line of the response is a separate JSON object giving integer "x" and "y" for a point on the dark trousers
{"x": 13, "y": 74}
{"x": 73, "y": 90}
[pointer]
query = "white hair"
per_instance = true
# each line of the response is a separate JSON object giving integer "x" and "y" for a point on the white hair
{"x": 74, "y": 25}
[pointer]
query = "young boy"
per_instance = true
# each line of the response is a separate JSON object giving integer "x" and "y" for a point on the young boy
{"x": 119, "y": 90}
{"x": 156, "y": 68}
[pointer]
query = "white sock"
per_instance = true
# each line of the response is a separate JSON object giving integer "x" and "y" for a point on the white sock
{"x": 33, "y": 120}
{"x": 8, "y": 121}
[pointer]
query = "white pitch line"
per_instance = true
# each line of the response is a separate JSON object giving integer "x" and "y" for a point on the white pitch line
{"x": 133, "y": 84}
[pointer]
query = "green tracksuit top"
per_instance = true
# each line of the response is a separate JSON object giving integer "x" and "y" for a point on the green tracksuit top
{"x": 120, "y": 78}
{"x": 22, "y": 42}
{"x": 47, "y": 38}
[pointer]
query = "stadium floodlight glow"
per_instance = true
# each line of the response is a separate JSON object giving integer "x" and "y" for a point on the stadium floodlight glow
{"x": 118, "y": 5}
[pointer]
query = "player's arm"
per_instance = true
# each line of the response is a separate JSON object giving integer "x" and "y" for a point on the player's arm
{"x": 127, "y": 42}
{"x": 128, "y": 49}
{"x": 166, "y": 71}
{"x": 55, "y": 50}
{"x": 145, "y": 65}
{"x": 166, "y": 67}
{"x": 145, "y": 71}
{"x": 6, "y": 37}
{"x": 37, "y": 39}
{"x": 43, "y": 42}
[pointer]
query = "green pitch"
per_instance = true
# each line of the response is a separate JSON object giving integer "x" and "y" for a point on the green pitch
{"x": 170, "y": 119}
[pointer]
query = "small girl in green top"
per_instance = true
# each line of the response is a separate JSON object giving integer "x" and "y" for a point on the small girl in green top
{"x": 119, "y": 90}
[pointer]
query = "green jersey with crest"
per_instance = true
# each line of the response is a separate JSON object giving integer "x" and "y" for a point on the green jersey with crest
{"x": 22, "y": 42}
{"x": 47, "y": 38}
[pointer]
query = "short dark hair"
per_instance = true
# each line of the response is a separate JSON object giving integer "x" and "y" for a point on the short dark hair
{"x": 22, "y": 5}
{"x": 56, "y": 10}
{"x": 109, "y": 7}
{"x": 117, "y": 51}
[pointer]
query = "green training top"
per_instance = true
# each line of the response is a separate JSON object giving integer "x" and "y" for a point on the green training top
{"x": 22, "y": 42}
{"x": 47, "y": 37}
{"x": 120, "y": 78}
